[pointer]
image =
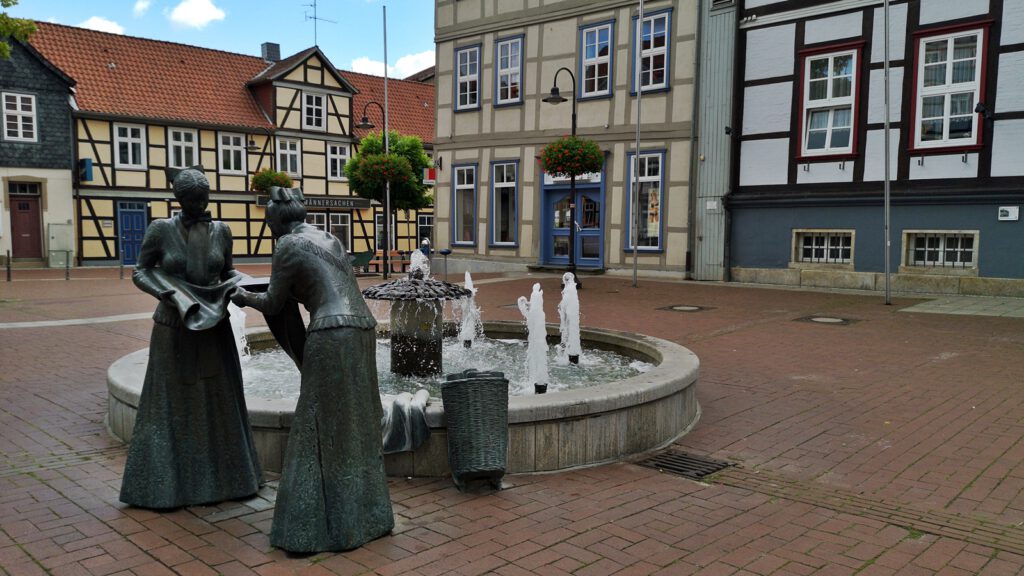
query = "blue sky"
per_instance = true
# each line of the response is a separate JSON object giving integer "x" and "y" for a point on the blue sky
{"x": 354, "y": 42}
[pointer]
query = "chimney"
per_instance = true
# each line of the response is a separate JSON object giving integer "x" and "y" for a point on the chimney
{"x": 271, "y": 51}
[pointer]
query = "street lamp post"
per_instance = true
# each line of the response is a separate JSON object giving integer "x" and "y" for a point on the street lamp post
{"x": 556, "y": 98}
{"x": 365, "y": 124}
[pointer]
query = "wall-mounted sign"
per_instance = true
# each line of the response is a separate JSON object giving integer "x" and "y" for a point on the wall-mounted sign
{"x": 430, "y": 176}
{"x": 326, "y": 202}
{"x": 1011, "y": 213}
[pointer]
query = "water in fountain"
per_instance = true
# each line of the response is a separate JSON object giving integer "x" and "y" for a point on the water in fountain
{"x": 569, "y": 321}
{"x": 537, "y": 339}
{"x": 471, "y": 327}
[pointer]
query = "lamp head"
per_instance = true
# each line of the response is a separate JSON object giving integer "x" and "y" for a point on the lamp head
{"x": 365, "y": 123}
{"x": 555, "y": 97}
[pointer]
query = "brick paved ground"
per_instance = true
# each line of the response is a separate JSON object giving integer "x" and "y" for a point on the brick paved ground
{"x": 888, "y": 445}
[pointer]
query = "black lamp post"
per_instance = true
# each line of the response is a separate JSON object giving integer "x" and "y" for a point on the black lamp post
{"x": 556, "y": 98}
{"x": 365, "y": 124}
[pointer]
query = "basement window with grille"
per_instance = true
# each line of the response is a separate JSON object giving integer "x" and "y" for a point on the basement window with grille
{"x": 823, "y": 247}
{"x": 941, "y": 249}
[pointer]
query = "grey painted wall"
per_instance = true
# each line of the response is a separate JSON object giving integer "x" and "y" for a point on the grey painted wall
{"x": 25, "y": 74}
{"x": 762, "y": 237}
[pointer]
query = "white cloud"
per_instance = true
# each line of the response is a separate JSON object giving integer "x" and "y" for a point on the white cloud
{"x": 404, "y": 66}
{"x": 141, "y": 6}
{"x": 196, "y": 13}
{"x": 102, "y": 24}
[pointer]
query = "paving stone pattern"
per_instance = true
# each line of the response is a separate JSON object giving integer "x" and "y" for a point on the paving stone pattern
{"x": 891, "y": 445}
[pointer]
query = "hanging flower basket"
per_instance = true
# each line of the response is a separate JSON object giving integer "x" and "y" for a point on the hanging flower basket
{"x": 266, "y": 178}
{"x": 571, "y": 156}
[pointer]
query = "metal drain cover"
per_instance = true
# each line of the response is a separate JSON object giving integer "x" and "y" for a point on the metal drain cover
{"x": 684, "y": 308}
{"x": 823, "y": 319}
{"x": 684, "y": 464}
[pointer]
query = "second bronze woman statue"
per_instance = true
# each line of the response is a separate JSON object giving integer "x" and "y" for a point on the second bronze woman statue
{"x": 333, "y": 493}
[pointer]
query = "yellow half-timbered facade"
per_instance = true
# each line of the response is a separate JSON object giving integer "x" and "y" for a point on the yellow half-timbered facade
{"x": 146, "y": 106}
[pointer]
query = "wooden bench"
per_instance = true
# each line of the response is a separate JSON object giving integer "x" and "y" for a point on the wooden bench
{"x": 361, "y": 260}
{"x": 397, "y": 261}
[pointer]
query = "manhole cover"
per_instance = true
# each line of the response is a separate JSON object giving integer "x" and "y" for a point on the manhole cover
{"x": 684, "y": 308}
{"x": 684, "y": 464}
{"x": 833, "y": 320}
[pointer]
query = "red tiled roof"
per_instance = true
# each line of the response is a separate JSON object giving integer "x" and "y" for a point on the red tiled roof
{"x": 410, "y": 105}
{"x": 128, "y": 76}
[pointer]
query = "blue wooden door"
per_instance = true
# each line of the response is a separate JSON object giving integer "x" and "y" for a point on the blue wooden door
{"x": 132, "y": 221}
{"x": 589, "y": 249}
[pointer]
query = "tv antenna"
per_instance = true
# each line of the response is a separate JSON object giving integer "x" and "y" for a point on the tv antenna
{"x": 315, "y": 19}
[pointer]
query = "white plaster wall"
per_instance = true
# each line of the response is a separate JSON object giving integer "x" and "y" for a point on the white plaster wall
{"x": 1007, "y": 141}
{"x": 833, "y": 28}
{"x": 1013, "y": 22}
{"x": 770, "y": 52}
{"x": 823, "y": 172}
{"x": 59, "y": 205}
{"x": 764, "y": 162}
{"x": 767, "y": 108}
{"x": 941, "y": 10}
{"x": 874, "y": 154}
{"x": 876, "y": 95}
{"x": 897, "y": 33}
{"x": 945, "y": 166}
{"x": 1010, "y": 93}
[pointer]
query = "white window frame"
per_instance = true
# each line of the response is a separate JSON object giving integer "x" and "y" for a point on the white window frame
{"x": 948, "y": 89}
{"x": 823, "y": 246}
{"x": 229, "y": 146}
{"x": 596, "y": 61}
{"x": 337, "y": 156}
{"x": 496, "y": 188}
{"x": 466, "y": 187}
{"x": 133, "y": 163}
{"x": 420, "y": 219}
{"x": 341, "y": 220}
{"x": 467, "y": 77}
{"x": 830, "y": 103}
{"x": 182, "y": 145}
{"x": 23, "y": 120}
{"x": 942, "y": 250}
{"x": 317, "y": 219}
{"x": 289, "y": 148}
{"x": 647, "y": 178}
{"x": 510, "y": 71}
{"x": 309, "y": 111}
{"x": 652, "y": 52}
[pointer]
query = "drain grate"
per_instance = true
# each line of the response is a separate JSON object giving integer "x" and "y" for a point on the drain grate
{"x": 684, "y": 464}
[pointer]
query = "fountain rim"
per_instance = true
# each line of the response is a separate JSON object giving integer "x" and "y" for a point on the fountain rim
{"x": 676, "y": 368}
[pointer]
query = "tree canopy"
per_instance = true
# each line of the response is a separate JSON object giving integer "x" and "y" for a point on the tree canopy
{"x": 18, "y": 28}
{"x": 370, "y": 169}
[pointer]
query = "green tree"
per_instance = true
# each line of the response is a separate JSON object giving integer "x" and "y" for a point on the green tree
{"x": 370, "y": 170}
{"x": 18, "y": 28}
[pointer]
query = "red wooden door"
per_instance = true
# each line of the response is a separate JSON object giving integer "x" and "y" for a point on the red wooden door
{"x": 26, "y": 230}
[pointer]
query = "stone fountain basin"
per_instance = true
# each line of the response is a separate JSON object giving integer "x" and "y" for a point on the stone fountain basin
{"x": 547, "y": 432}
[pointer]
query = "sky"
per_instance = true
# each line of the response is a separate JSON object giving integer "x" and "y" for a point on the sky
{"x": 353, "y": 41}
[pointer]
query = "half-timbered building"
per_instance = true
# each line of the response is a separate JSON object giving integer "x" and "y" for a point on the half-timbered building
{"x": 496, "y": 62}
{"x": 144, "y": 106}
{"x": 809, "y": 139}
{"x": 36, "y": 219}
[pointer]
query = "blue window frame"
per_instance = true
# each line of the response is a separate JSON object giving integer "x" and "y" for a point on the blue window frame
{"x": 597, "y": 71}
{"x": 508, "y": 71}
{"x": 655, "y": 51}
{"x": 464, "y": 205}
{"x": 651, "y": 200}
{"x": 467, "y": 78}
{"x": 504, "y": 221}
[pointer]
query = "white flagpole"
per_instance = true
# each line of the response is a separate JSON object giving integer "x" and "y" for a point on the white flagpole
{"x": 635, "y": 236}
{"x": 886, "y": 199}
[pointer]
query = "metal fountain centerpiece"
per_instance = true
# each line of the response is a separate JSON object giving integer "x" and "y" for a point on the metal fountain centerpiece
{"x": 417, "y": 320}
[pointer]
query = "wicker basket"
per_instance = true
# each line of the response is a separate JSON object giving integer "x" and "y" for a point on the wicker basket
{"x": 476, "y": 409}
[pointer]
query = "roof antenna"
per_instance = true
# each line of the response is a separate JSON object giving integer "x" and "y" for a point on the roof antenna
{"x": 314, "y": 18}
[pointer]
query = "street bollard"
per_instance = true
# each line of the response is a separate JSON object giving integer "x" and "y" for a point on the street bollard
{"x": 8, "y": 265}
{"x": 120, "y": 266}
{"x": 445, "y": 253}
{"x": 67, "y": 265}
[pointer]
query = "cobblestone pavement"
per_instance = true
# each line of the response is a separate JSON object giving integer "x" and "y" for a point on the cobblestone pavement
{"x": 886, "y": 444}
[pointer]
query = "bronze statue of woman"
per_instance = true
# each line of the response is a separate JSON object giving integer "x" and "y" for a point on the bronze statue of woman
{"x": 192, "y": 443}
{"x": 333, "y": 493}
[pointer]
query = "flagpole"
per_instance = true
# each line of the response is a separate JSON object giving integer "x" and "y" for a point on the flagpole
{"x": 635, "y": 196}
{"x": 886, "y": 178}
{"x": 387, "y": 151}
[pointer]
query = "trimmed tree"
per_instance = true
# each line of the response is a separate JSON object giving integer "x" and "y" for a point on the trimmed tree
{"x": 370, "y": 170}
{"x": 18, "y": 28}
